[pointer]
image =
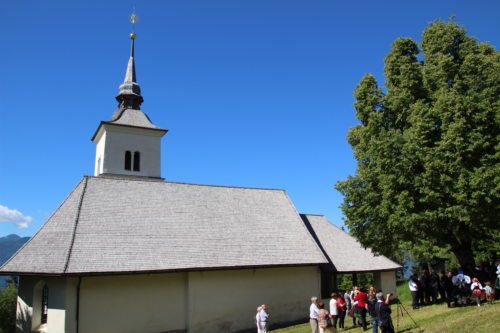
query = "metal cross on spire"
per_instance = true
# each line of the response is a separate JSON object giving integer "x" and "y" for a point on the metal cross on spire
{"x": 133, "y": 19}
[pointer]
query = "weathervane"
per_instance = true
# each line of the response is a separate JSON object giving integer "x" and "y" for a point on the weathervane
{"x": 133, "y": 19}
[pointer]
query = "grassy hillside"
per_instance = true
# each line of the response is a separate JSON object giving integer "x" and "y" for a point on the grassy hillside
{"x": 431, "y": 319}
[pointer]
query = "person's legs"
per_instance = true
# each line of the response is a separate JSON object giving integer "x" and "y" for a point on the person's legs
{"x": 314, "y": 325}
{"x": 375, "y": 322}
{"x": 341, "y": 319}
{"x": 263, "y": 327}
{"x": 363, "y": 318}
{"x": 414, "y": 299}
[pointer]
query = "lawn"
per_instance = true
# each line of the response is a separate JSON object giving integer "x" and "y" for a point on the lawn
{"x": 430, "y": 319}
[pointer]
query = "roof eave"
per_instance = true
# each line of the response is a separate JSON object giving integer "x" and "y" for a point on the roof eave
{"x": 159, "y": 271}
{"x": 102, "y": 123}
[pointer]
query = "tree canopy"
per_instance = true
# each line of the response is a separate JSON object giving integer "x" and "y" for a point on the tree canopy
{"x": 427, "y": 148}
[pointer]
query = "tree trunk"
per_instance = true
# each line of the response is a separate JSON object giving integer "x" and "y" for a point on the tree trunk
{"x": 464, "y": 256}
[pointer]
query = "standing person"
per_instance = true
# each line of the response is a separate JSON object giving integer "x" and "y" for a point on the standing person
{"x": 489, "y": 292}
{"x": 447, "y": 286}
{"x": 371, "y": 292}
{"x": 433, "y": 286}
{"x": 262, "y": 319}
{"x": 348, "y": 302}
{"x": 476, "y": 289}
{"x": 413, "y": 285}
{"x": 361, "y": 299}
{"x": 333, "y": 310}
{"x": 341, "y": 308}
{"x": 461, "y": 281}
{"x": 322, "y": 318}
{"x": 372, "y": 301}
{"x": 257, "y": 319}
{"x": 424, "y": 287}
{"x": 313, "y": 314}
{"x": 383, "y": 311}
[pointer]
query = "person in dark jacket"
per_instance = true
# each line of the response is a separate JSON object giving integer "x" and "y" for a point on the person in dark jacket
{"x": 433, "y": 287}
{"x": 447, "y": 286}
{"x": 372, "y": 301}
{"x": 383, "y": 311}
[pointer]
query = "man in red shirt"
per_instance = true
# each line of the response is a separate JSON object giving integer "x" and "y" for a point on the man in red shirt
{"x": 361, "y": 300}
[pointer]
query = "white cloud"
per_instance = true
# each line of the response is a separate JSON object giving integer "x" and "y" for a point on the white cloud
{"x": 14, "y": 216}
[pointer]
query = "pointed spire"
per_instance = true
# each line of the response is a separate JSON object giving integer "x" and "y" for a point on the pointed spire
{"x": 129, "y": 96}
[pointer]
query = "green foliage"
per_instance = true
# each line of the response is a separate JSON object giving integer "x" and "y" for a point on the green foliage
{"x": 344, "y": 281}
{"x": 8, "y": 301}
{"x": 428, "y": 174}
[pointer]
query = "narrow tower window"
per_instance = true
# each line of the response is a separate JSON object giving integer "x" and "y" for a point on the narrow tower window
{"x": 137, "y": 161}
{"x": 128, "y": 160}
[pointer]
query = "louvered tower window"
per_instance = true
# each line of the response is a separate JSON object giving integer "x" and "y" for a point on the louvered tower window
{"x": 137, "y": 161}
{"x": 128, "y": 160}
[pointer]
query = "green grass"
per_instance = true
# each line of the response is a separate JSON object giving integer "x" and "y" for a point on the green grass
{"x": 430, "y": 319}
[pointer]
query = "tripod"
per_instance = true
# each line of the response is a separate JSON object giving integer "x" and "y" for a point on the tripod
{"x": 399, "y": 311}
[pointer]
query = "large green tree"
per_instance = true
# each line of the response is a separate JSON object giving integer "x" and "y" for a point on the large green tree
{"x": 427, "y": 147}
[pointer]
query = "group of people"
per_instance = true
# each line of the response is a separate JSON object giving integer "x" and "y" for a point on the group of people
{"x": 356, "y": 303}
{"x": 455, "y": 287}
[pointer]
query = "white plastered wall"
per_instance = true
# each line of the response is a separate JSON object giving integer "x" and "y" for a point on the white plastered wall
{"x": 226, "y": 301}
{"x": 209, "y": 301}
{"x": 133, "y": 303}
{"x": 386, "y": 281}
{"x": 113, "y": 141}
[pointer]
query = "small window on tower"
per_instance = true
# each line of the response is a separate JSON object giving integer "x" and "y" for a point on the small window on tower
{"x": 128, "y": 160}
{"x": 137, "y": 161}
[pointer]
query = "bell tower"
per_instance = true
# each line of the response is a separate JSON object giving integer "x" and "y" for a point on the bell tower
{"x": 129, "y": 143}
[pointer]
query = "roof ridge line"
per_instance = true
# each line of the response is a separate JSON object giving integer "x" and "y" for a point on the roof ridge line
{"x": 77, "y": 218}
{"x": 43, "y": 225}
{"x": 121, "y": 177}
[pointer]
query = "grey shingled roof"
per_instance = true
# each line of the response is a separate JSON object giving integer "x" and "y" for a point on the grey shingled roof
{"x": 120, "y": 225}
{"x": 344, "y": 251}
{"x": 131, "y": 117}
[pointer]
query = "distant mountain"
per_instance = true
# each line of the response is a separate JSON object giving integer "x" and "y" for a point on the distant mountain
{"x": 8, "y": 246}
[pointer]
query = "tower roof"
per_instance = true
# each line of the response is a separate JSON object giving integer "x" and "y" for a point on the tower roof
{"x": 130, "y": 99}
{"x": 129, "y": 95}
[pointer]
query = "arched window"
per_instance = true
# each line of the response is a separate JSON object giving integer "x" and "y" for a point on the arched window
{"x": 128, "y": 160}
{"x": 45, "y": 304}
{"x": 137, "y": 161}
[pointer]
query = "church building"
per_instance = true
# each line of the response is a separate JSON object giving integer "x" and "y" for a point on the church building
{"x": 128, "y": 252}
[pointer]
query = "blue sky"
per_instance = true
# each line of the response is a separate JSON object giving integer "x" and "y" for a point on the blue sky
{"x": 255, "y": 93}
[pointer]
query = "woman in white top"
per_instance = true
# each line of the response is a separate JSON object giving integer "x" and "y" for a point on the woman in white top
{"x": 333, "y": 310}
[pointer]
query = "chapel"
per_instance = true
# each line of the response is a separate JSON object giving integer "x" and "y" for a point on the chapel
{"x": 128, "y": 252}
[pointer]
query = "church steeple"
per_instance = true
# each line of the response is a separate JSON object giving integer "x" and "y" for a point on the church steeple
{"x": 129, "y": 95}
{"x": 128, "y": 144}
